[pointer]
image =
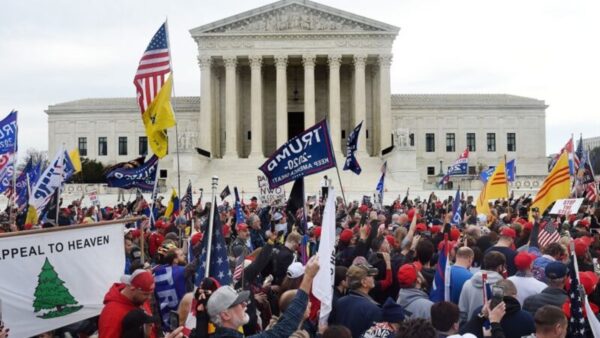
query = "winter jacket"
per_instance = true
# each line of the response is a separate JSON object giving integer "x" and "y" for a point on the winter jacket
{"x": 516, "y": 323}
{"x": 116, "y": 307}
{"x": 357, "y": 312}
{"x": 526, "y": 286}
{"x": 415, "y": 302}
{"x": 282, "y": 261}
{"x": 287, "y": 324}
{"x": 471, "y": 295}
{"x": 548, "y": 296}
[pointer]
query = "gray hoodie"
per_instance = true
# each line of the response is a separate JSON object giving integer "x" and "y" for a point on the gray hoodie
{"x": 471, "y": 295}
{"x": 415, "y": 302}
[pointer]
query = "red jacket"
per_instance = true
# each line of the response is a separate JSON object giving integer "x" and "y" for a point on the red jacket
{"x": 116, "y": 307}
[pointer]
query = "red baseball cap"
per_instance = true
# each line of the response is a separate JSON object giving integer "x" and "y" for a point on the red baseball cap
{"x": 140, "y": 279}
{"x": 391, "y": 240}
{"x": 346, "y": 236}
{"x": 242, "y": 227}
{"x": 160, "y": 224}
{"x": 585, "y": 223}
{"x": 421, "y": 227}
{"x": 582, "y": 244}
{"x": 523, "y": 260}
{"x": 407, "y": 275}
{"x": 411, "y": 214}
{"x": 508, "y": 232}
{"x": 589, "y": 280}
{"x": 454, "y": 234}
{"x": 435, "y": 229}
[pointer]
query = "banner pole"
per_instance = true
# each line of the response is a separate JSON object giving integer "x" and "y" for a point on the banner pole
{"x": 174, "y": 109}
{"x": 153, "y": 198}
{"x": 13, "y": 217}
{"x": 341, "y": 187}
{"x": 211, "y": 222}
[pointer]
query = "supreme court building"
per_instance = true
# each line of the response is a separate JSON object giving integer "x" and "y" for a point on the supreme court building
{"x": 269, "y": 73}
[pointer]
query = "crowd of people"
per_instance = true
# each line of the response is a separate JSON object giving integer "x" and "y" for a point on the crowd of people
{"x": 503, "y": 280}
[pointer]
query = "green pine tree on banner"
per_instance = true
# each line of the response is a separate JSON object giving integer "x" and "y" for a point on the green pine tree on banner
{"x": 51, "y": 294}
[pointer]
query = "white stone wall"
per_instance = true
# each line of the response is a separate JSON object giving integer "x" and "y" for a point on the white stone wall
{"x": 528, "y": 125}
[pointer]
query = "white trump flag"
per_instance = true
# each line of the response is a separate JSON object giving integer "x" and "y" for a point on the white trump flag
{"x": 54, "y": 278}
{"x": 323, "y": 282}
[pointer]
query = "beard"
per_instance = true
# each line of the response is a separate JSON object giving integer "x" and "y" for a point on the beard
{"x": 244, "y": 320}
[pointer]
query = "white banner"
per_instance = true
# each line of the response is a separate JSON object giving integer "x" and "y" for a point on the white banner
{"x": 268, "y": 195}
{"x": 52, "y": 279}
{"x": 323, "y": 282}
{"x": 566, "y": 207}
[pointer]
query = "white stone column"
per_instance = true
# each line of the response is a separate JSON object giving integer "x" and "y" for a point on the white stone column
{"x": 360, "y": 102}
{"x": 308, "y": 61}
{"x": 334, "y": 101}
{"x": 256, "y": 115}
{"x": 281, "y": 100}
{"x": 385, "y": 116}
{"x": 206, "y": 111}
{"x": 230, "y": 107}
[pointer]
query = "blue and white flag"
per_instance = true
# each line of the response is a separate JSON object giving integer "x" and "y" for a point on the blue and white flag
{"x": 239, "y": 214}
{"x": 7, "y": 169}
{"x": 304, "y": 154}
{"x": 219, "y": 264}
{"x": 511, "y": 171}
{"x": 461, "y": 165}
{"x": 169, "y": 290}
{"x": 351, "y": 162}
{"x": 59, "y": 170}
{"x": 457, "y": 209}
{"x": 380, "y": 185}
{"x": 8, "y": 133}
{"x": 141, "y": 177}
{"x": 439, "y": 291}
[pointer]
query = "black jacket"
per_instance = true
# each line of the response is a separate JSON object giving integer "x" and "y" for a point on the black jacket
{"x": 516, "y": 323}
{"x": 548, "y": 296}
{"x": 282, "y": 261}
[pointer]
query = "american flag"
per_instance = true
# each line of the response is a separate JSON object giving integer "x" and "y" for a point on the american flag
{"x": 238, "y": 273}
{"x": 577, "y": 322}
{"x": 548, "y": 235}
{"x": 153, "y": 69}
{"x": 188, "y": 204}
{"x": 578, "y": 155}
{"x": 591, "y": 191}
{"x": 219, "y": 264}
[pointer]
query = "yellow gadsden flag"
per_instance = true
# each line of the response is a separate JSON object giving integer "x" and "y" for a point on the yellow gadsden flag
{"x": 495, "y": 187}
{"x": 157, "y": 118}
{"x": 556, "y": 185}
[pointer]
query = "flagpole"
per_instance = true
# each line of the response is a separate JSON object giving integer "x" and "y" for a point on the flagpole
{"x": 338, "y": 173}
{"x": 153, "y": 198}
{"x": 174, "y": 106}
{"x": 215, "y": 183}
{"x": 12, "y": 217}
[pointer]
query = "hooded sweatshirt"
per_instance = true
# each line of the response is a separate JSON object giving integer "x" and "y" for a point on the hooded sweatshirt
{"x": 116, "y": 307}
{"x": 471, "y": 295}
{"x": 415, "y": 302}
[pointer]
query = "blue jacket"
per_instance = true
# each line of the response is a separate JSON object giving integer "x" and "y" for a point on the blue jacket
{"x": 287, "y": 324}
{"x": 357, "y": 312}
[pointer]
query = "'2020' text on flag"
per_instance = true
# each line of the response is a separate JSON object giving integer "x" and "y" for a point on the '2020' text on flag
{"x": 56, "y": 278}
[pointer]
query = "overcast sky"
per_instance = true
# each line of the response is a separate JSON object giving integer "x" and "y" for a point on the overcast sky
{"x": 57, "y": 51}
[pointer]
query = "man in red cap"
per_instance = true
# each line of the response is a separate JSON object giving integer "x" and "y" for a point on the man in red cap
{"x": 133, "y": 293}
{"x": 412, "y": 296}
{"x": 505, "y": 246}
{"x": 156, "y": 238}
{"x": 241, "y": 245}
{"x": 526, "y": 284}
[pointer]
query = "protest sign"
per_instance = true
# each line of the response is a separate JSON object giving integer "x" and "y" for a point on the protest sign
{"x": 55, "y": 277}
{"x": 567, "y": 206}
{"x": 268, "y": 195}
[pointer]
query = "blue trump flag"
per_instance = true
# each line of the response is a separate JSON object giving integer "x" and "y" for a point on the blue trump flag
{"x": 511, "y": 171}
{"x": 218, "y": 265}
{"x": 304, "y": 154}
{"x": 239, "y": 214}
{"x": 8, "y": 133}
{"x": 351, "y": 162}
{"x": 7, "y": 169}
{"x": 380, "y": 185}
{"x": 141, "y": 177}
{"x": 439, "y": 292}
{"x": 457, "y": 208}
{"x": 30, "y": 173}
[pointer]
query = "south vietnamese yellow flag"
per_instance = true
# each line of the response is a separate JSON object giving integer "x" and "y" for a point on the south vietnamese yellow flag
{"x": 556, "y": 185}
{"x": 495, "y": 187}
{"x": 157, "y": 118}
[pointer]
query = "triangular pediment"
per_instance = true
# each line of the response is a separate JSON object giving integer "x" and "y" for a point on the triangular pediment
{"x": 291, "y": 16}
